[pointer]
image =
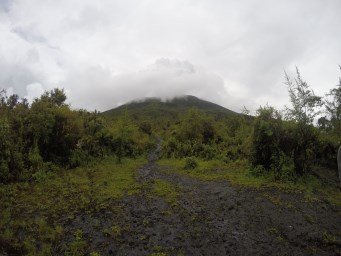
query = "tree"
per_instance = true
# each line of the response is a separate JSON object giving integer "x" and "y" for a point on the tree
{"x": 196, "y": 126}
{"x": 145, "y": 127}
{"x": 305, "y": 104}
{"x": 56, "y": 97}
{"x": 305, "y": 107}
{"x": 3, "y": 98}
{"x": 266, "y": 139}
{"x": 12, "y": 101}
{"x": 333, "y": 107}
{"x": 4, "y": 151}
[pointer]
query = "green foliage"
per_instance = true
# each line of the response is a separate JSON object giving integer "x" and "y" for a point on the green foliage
{"x": 35, "y": 209}
{"x": 305, "y": 103}
{"x": 196, "y": 126}
{"x": 5, "y": 153}
{"x": 35, "y": 160}
{"x": 333, "y": 109}
{"x": 190, "y": 163}
{"x": 42, "y": 176}
{"x": 49, "y": 132}
{"x": 55, "y": 97}
{"x": 240, "y": 173}
{"x": 167, "y": 190}
{"x": 145, "y": 127}
{"x": 326, "y": 150}
{"x": 257, "y": 170}
{"x": 266, "y": 139}
{"x": 305, "y": 148}
{"x": 282, "y": 147}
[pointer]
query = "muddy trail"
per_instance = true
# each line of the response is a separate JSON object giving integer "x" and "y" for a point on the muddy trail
{"x": 211, "y": 218}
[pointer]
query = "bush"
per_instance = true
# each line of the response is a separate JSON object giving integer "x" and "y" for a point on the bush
{"x": 35, "y": 159}
{"x": 145, "y": 127}
{"x": 79, "y": 157}
{"x": 190, "y": 163}
{"x": 208, "y": 152}
{"x": 266, "y": 139}
{"x": 305, "y": 146}
{"x": 170, "y": 148}
{"x": 287, "y": 172}
{"x": 285, "y": 148}
{"x": 257, "y": 170}
{"x": 42, "y": 175}
{"x": 327, "y": 151}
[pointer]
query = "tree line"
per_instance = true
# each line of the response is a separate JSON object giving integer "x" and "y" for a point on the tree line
{"x": 286, "y": 143}
{"x": 48, "y": 135}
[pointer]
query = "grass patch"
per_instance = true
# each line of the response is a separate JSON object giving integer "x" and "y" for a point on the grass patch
{"x": 166, "y": 190}
{"x": 238, "y": 173}
{"x": 29, "y": 212}
{"x": 235, "y": 172}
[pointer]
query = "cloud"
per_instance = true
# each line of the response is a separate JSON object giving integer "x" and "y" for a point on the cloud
{"x": 34, "y": 90}
{"x": 231, "y": 52}
{"x": 165, "y": 78}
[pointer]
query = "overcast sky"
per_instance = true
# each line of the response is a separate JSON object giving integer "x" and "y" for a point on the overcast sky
{"x": 105, "y": 53}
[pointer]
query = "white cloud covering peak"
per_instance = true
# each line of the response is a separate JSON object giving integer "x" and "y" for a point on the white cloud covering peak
{"x": 106, "y": 52}
{"x": 166, "y": 78}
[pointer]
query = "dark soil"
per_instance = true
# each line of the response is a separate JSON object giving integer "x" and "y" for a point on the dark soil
{"x": 211, "y": 218}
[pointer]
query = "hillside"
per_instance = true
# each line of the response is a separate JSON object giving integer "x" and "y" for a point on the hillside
{"x": 154, "y": 107}
{"x": 75, "y": 183}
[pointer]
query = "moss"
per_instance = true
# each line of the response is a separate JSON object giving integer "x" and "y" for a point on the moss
{"x": 158, "y": 254}
{"x": 94, "y": 254}
{"x": 276, "y": 200}
{"x": 114, "y": 231}
{"x": 167, "y": 190}
{"x": 309, "y": 218}
{"x": 273, "y": 231}
{"x": 329, "y": 238}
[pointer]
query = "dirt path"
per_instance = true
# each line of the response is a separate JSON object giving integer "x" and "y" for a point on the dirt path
{"x": 213, "y": 218}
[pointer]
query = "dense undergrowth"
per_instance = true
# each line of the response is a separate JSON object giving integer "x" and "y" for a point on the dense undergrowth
{"x": 40, "y": 138}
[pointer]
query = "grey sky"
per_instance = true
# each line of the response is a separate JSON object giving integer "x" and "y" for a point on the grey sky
{"x": 232, "y": 52}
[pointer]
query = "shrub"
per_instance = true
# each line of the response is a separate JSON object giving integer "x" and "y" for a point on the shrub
{"x": 145, "y": 127}
{"x": 42, "y": 175}
{"x": 327, "y": 151}
{"x": 208, "y": 152}
{"x": 35, "y": 159}
{"x": 305, "y": 143}
{"x": 257, "y": 170}
{"x": 190, "y": 163}
{"x": 266, "y": 139}
{"x": 79, "y": 157}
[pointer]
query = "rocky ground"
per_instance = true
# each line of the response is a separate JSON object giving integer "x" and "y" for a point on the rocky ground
{"x": 209, "y": 218}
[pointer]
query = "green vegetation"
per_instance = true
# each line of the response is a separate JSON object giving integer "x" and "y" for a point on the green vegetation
{"x": 48, "y": 135}
{"x": 57, "y": 162}
{"x": 239, "y": 173}
{"x": 167, "y": 190}
{"x": 153, "y": 108}
{"x": 34, "y": 210}
{"x": 39, "y": 139}
{"x": 190, "y": 163}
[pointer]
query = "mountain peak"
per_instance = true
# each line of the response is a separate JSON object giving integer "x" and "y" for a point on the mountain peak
{"x": 156, "y": 107}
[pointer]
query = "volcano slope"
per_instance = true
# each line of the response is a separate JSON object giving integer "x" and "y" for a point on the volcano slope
{"x": 164, "y": 212}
